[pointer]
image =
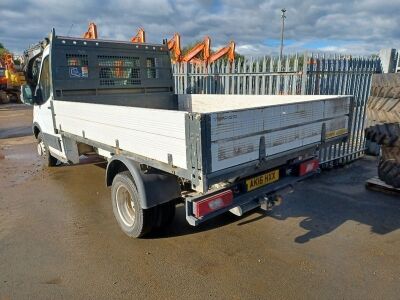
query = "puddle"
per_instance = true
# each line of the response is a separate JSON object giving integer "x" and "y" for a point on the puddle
{"x": 15, "y": 132}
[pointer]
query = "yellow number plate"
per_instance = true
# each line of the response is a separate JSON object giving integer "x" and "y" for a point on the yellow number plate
{"x": 262, "y": 180}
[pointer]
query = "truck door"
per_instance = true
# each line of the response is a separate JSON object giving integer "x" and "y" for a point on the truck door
{"x": 43, "y": 114}
{"x": 43, "y": 109}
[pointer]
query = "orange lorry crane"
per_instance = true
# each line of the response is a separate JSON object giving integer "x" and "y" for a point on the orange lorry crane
{"x": 91, "y": 33}
{"x": 204, "y": 47}
{"x": 140, "y": 36}
{"x": 174, "y": 46}
{"x": 228, "y": 50}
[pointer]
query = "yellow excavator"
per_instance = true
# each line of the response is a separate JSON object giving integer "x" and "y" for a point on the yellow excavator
{"x": 11, "y": 79}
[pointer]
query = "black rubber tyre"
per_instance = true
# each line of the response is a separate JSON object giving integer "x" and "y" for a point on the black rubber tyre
{"x": 389, "y": 166}
{"x": 384, "y": 134}
{"x": 131, "y": 217}
{"x": 43, "y": 151}
{"x": 371, "y": 148}
{"x": 3, "y": 98}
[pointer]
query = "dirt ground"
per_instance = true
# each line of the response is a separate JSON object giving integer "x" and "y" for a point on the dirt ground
{"x": 330, "y": 239}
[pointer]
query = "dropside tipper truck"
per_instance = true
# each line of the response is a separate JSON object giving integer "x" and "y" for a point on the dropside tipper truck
{"x": 216, "y": 153}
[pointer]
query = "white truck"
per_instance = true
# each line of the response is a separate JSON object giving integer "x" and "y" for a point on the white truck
{"x": 214, "y": 153}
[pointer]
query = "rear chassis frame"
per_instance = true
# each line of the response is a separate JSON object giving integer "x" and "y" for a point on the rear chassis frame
{"x": 257, "y": 197}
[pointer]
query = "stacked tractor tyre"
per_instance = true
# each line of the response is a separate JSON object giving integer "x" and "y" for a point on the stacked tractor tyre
{"x": 383, "y": 125}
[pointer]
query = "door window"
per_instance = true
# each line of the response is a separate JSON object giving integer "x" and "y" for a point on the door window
{"x": 44, "y": 83}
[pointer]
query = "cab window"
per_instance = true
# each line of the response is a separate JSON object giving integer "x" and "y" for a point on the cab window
{"x": 44, "y": 83}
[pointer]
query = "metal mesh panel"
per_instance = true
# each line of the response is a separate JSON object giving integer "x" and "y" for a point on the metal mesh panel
{"x": 119, "y": 70}
{"x": 152, "y": 64}
{"x": 119, "y": 73}
{"x": 74, "y": 60}
{"x": 118, "y": 61}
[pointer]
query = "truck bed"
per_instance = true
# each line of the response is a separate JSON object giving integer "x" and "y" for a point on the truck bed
{"x": 209, "y": 133}
{"x": 237, "y": 123}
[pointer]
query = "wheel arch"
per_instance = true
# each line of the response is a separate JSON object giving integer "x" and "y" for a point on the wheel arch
{"x": 154, "y": 187}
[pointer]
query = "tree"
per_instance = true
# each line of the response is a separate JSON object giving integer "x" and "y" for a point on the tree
{"x": 3, "y": 50}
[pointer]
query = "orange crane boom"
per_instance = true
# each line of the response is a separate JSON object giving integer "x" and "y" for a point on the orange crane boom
{"x": 203, "y": 46}
{"x": 230, "y": 50}
{"x": 140, "y": 37}
{"x": 174, "y": 45}
{"x": 91, "y": 33}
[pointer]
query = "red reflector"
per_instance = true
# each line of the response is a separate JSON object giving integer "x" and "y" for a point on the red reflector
{"x": 308, "y": 166}
{"x": 212, "y": 203}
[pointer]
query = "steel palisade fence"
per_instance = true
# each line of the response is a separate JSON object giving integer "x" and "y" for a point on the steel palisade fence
{"x": 306, "y": 74}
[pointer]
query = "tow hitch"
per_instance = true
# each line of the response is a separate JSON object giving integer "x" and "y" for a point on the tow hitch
{"x": 269, "y": 201}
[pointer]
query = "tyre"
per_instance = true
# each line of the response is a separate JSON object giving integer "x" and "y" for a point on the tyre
{"x": 10, "y": 98}
{"x": 3, "y": 97}
{"x": 44, "y": 153}
{"x": 389, "y": 166}
{"x": 131, "y": 217}
{"x": 371, "y": 148}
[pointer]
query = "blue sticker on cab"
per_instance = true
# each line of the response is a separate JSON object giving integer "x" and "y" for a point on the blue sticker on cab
{"x": 78, "y": 72}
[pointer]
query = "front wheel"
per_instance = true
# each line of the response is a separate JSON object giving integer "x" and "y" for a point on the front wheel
{"x": 44, "y": 153}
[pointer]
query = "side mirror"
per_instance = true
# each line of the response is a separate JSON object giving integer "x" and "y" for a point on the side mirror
{"x": 26, "y": 94}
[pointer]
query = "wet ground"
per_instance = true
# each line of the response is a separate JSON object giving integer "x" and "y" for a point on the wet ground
{"x": 330, "y": 239}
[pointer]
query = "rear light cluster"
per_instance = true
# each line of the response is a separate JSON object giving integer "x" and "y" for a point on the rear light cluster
{"x": 308, "y": 166}
{"x": 212, "y": 203}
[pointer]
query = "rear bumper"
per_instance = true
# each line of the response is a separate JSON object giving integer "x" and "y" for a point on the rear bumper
{"x": 246, "y": 198}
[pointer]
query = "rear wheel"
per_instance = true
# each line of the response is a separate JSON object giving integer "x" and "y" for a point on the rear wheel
{"x": 134, "y": 220}
{"x": 131, "y": 217}
{"x": 44, "y": 153}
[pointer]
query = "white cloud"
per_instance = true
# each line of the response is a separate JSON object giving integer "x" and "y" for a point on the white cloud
{"x": 345, "y": 26}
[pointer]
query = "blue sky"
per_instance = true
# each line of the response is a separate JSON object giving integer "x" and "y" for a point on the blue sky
{"x": 347, "y": 27}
